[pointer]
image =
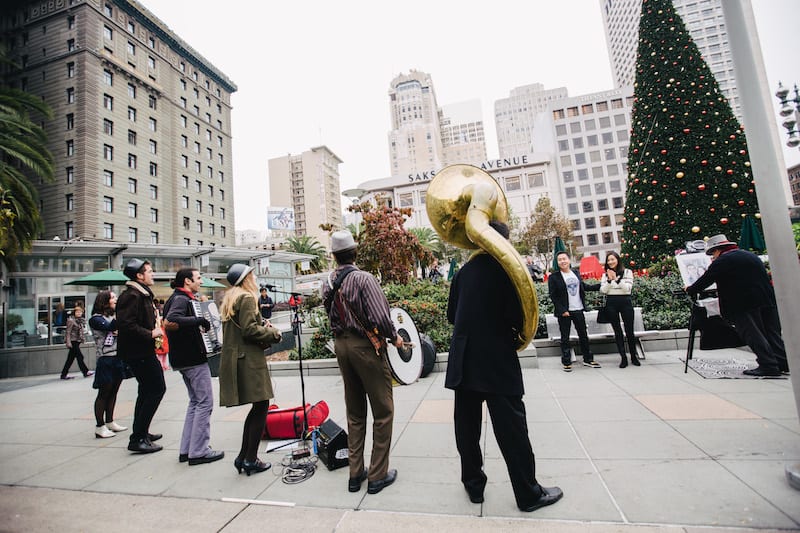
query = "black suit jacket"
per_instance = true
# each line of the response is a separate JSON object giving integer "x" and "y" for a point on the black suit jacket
{"x": 742, "y": 282}
{"x": 485, "y": 311}
{"x": 558, "y": 291}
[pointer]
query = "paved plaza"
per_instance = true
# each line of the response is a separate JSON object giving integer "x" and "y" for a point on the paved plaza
{"x": 636, "y": 449}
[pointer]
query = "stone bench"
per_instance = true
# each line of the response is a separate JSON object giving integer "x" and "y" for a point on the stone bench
{"x": 600, "y": 332}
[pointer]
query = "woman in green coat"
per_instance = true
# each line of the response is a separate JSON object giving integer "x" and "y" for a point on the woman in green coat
{"x": 243, "y": 372}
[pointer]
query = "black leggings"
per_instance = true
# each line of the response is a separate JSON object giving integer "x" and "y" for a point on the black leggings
{"x": 253, "y": 429}
{"x": 74, "y": 353}
{"x": 622, "y": 306}
{"x": 105, "y": 402}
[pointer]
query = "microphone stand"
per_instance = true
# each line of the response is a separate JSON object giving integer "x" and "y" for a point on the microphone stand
{"x": 297, "y": 329}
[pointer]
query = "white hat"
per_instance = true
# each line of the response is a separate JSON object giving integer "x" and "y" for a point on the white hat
{"x": 717, "y": 241}
{"x": 342, "y": 241}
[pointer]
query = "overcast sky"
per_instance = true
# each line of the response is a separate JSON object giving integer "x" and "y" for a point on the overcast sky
{"x": 313, "y": 72}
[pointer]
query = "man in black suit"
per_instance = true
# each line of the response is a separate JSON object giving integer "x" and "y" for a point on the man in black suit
{"x": 483, "y": 367}
{"x": 747, "y": 299}
{"x": 568, "y": 293}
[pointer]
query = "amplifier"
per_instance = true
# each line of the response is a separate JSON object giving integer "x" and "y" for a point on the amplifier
{"x": 332, "y": 445}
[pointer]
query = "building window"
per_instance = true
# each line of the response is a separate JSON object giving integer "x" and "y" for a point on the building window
{"x": 70, "y": 95}
{"x": 108, "y": 102}
{"x": 108, "y": 127}
{"x": 196, "y": 128}
{"x": 132, "y": 161}
{"x": 185, "y": 182}
{"x": 602, "y": 106}
{"x": 153, "y": 146}
{"x": 616, "y": 103}
{"x": 70, "y": 121}
{"x": 132, "y": 185}
{"x": 198, "y": 186}
{"x": 535, "y": 180}
{"x": 194, "y": 75}
{"x": 69, "y": 230}
{"x": 70, "y": 174}
{"x": 209, "y": 153}
{"x": 222, "y": 213}
{"x": 589, "y": 223}
{"x": 153, "y": 169}
{"x": 196, "y": 147}
{"x": 569, "y": 192}
{"x": 186, "y": 223}
{"x": 151, "y": 62}
{"x": 211, "y": 209}
{"x": 153, "y": 215}
{"x": 108, "y": 77}
{"x": 108, "y": 204}
{"x": 212, "y": 229}
{"x": 70, "y": 70}
{"x": 222, "y": 195}
{"x": 184, "y": 161}
{"x": 151, "y": 101}
{"x": 108, "y": 178}
{"x": 108, "y": 33}
{"x": 211, "y": 193}
{"x": 608, "y": 138}
{"x": 185, "y": 202}
{"x": 70, "y": 202}
{"x": 108, "y": 231}
{"x": 605, "y": 122}
{"x": 617, "y": 202}
{"x": 222, "y": 231}
{"x": 221, "y": 176}
{"x": 197, "y": 166}
{"x": 132, "y": 210}
{"x": 184, "y": 141}
{"x": 588, "y": 207}
{"x": 132, "y": 137}
{"x": 199, "y": 226}
{"x": 513, "y": 183}
{"x": 186, "y": 241}
{"x": 209, "y": 172}
{"x": 602, "y": 205}
{"x": 221, "y": 159}
{"x": 132, "y": 114}
{"x": 198, "y": 206}
{"x": 151, "y": 42}
{"x": 153, "y": 237}
{"x": 108, "y": 152}
{"x": 580, "y": 158}
{"x": 152, "y": 124}
{"x": 183, "y": 121}
{"x": 154, "y": 192}
{"x": 131, "y": 48}
{"x": 132, "y": 90}
{"x": 133, "y": 235}
{"x": 70, "y": 45}
{"x": 591, "y": 140}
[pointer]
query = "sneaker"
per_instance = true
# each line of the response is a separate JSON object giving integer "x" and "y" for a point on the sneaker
{"x": 89, "y": 374}
{"x": 103, "y": 432}
{"x": 567, "y": 368}
{"x": 592, "y": 364}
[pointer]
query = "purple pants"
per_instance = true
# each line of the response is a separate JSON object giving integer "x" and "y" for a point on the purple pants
{"x": 197, "y": 426}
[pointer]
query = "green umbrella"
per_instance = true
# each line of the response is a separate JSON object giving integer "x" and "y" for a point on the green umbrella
{"x": 105, "y": 278}
{"x": 558, "y": 247}
{"x": 209, "y": 283}
{"x": 751, "y": 238}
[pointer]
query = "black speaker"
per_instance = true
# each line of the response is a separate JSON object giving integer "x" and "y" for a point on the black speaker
{"x": 332, "y": 445}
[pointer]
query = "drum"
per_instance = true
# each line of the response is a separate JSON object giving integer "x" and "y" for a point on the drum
{"x": 405, "y": 363}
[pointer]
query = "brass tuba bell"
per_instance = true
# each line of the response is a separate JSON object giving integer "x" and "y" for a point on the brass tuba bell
{"x": 461, "y": 201}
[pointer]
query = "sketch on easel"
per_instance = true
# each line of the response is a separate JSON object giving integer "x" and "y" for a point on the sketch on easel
{"x": 692, "y": 266}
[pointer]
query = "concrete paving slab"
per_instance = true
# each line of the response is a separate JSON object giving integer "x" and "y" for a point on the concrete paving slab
{"x": 614, "y": 407}
{"x": 730, "y": 439}
{"x": 768, "y": 479}
{"x": 425, "y": 440}
{"x": 680, "y": 491}
{"x": 693, "y": 407}
{"x": 635, "y": 439}
{"x": 764, "y": 403}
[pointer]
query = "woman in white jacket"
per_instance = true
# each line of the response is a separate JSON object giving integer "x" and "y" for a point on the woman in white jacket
{"x": 617, "y": 284}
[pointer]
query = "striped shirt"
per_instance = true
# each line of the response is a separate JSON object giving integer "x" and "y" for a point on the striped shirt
{"x": 363, "y": 296}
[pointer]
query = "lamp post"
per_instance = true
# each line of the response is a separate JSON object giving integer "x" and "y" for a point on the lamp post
{"x": 790, "y": 113}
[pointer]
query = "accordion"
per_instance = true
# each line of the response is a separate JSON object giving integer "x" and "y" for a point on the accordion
{"x": 212, "y": 339}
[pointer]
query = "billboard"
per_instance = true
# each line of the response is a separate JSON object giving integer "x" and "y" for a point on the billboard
{"x": 280, "y": 218}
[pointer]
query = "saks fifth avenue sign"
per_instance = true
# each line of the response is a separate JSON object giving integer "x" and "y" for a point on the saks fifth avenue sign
{"x": 493, "y": 164}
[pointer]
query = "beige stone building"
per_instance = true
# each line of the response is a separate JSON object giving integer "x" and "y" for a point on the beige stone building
{"x": 141, "y": 127}
{"x": 307, "y": 186}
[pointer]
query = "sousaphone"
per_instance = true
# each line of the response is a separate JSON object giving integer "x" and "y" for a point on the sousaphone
{"x": 461, "y": 201}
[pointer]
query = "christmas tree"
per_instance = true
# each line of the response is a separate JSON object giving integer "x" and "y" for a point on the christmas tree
{"x": 689, "y": 176}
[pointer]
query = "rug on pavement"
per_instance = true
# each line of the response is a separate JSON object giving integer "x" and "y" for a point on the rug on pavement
{"x": 725, "y": 369}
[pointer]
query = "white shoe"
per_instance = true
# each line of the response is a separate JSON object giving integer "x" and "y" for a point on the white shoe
{"x": 103, "y": 433}
{"x": 113, "y": 426}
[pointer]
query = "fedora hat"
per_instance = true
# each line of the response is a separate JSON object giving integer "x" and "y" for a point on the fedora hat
{"x": 717, "y": 241}
{"x": 342, "y": 241}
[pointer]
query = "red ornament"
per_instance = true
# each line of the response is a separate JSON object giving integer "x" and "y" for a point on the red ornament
{"x": 686, "y": 130}
{"x": 730, "y": 172}
{"x": 683, "y": 193}
{"x": 723, "y": 220}
{"x": 704, "y": 162}
{"x": 712, "y": 209}
{"x": 655, "y": 237}
{"x": 663, "y": 152}
{"x": 671, "y": 222}
{"x": 740, "y": 202}
{"x": 701, "y": 187}
{"x": 641, "y": 211}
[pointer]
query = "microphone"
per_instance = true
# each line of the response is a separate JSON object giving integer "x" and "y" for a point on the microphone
{"x": 269, "y": 287}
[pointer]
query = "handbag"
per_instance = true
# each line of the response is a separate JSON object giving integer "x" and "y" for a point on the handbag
{"x": 604, "y": 314}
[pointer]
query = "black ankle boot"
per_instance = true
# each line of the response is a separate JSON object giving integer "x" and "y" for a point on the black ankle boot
{"x": 623, "y": 360}
{"x": 635, "y": 360}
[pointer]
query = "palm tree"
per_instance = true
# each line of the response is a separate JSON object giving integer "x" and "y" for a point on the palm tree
{"x": 305, "y": 244}
{"x": 23, "y": 152}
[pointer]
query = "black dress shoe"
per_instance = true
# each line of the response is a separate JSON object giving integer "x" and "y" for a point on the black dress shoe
{"x": 152, "y": 437}
{"x": 354, "y": 483}
{"x": 374, "y": 487}
{"x": 550, "y": 495}
{"x": 255, "y": 467}
{"x": 182, "y": 458}
{"x": 144, "y": 446}
{"x": 209, "y": 457}
{"x": 762, "y": 372}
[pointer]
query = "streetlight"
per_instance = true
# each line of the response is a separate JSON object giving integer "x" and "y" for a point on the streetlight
{"x": 790, "y": 113}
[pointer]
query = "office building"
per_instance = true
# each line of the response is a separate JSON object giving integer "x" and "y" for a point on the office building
{"x": 514, "y": 116}
{"x": 463, "y": 139}
{"x": 590, "y": 136}
{"x": 306, "y": 187}
{"x": 141, "y": 127}
{"x": 704, "y": 20}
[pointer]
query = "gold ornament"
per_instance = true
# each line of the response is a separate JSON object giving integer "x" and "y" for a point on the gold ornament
{"x": 679, "y": 175}
{"x": 696, "y": 229}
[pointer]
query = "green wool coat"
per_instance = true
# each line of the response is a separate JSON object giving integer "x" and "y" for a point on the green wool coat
{"x": 243, "y": 373}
